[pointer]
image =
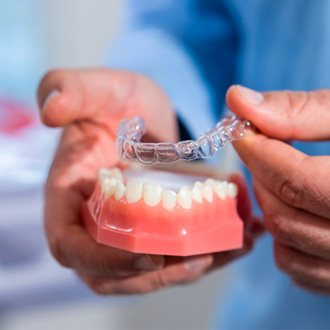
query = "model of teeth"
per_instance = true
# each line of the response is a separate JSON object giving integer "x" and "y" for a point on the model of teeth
{"x": 163, "y": 212}
{"x": 153, "y": 193}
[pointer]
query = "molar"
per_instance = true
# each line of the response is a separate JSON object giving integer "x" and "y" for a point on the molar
{"x": 196, "y": 194}
{"x": 207, "y": 191}
{"x": 114, "y": 173}
{"x": 152, "y": 193}
{"x": 232, "y": 190}
{"x": 221, "y": 189}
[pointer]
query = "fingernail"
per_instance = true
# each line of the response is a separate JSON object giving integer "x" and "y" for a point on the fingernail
{"x": 250, "y": 96}
{"x": 149, "y": 262}
{"x": 49, "y": 97}
{"x": 198, "y": 264}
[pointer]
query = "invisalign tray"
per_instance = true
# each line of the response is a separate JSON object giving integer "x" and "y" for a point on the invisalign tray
{"x": 129, "y": 147}
{"x": 169, "y": 211}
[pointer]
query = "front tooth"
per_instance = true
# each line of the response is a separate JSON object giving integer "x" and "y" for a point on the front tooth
{"x": 169, "y": 199}
{"x": 133, "y": 190}
{"x": 116, "y": 173}
{"x": 184, "y": 197}
{"x": 109, "y": 187}
{"x": 120, "y": 191}
{"x": 207, "y": 191}
{"x": 232, "y": 190}
{"x": 221, "y": 189}
{"x": 152, "y": 193}
{"x": 196, "y": 194}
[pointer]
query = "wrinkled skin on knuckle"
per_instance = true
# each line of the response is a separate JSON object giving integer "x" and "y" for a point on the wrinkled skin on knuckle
{"x": 279, "y": 227}
{"x": 298, "y": 104}
{"x": 290, "y": 191}
{"x": 58, "y": 251}
{"x": 282, "y": 261}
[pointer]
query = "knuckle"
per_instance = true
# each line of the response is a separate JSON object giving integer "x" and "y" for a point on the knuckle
{"x": 298, "y": 104}
{"x": 157, "y": 282}
{"x": 282, "y": 260}
{"x": 57, "y": 250}
{"x": 279, "y": 227}
{"x": 98, "y": 286}
{"x": 106, "y": 268}
{"x": 289, "y": 191}
{"x": 99, "y": 289}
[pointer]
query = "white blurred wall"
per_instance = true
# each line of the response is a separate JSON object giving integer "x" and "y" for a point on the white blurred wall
{"x": 78, "y": 31}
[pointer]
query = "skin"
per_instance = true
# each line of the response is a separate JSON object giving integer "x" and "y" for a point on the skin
{"x": 89, "y": 105}
{"x": 292, "y": 188}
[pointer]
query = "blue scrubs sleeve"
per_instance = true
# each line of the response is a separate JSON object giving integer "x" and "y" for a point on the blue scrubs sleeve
{"x": 186, "y": 46}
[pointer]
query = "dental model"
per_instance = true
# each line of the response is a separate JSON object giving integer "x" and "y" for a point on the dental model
{"x": 129, "y": 147}
{"x": 174, "y": 214}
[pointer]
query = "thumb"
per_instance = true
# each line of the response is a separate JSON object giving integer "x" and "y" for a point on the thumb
{"x": 105, "y": 96}
{"x": 284, "y": 115}
{"x": 65, "y": 96}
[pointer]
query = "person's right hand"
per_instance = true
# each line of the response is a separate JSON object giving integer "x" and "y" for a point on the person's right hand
{"x": 90, "y": 104}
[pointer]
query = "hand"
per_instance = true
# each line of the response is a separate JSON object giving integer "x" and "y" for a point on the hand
{"x": 89, "y": 104}
{"x": 292, "y": 188}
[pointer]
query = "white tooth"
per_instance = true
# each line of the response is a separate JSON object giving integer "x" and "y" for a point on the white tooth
{"x": 133, "y": 190}
{"x": 109, "y": 187}
{"x": 196, "y": 194}
{"x": 116, "y": 173}
{"x": 120, "y": 191}
{"x": 232, "y": 190}
{"x": 210, "y": 182}
{"x": 184, "y": 197}
{"x": 169, "y": 199}
{"x": 152, "y": 193}
{"x": 207, "y": 191}
{"x": 221, "y": 189}
{"x": 198, "y": 184}
{"x": 103, "y": 174}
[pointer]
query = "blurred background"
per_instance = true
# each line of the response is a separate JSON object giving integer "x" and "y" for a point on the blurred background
{"x": 36, "y": 293}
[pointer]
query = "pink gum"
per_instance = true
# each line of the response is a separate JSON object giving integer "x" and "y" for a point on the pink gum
{"x": 137, "y": 227}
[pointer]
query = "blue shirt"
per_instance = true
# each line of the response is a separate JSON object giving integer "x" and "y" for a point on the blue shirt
{"x": 195, "y": 49}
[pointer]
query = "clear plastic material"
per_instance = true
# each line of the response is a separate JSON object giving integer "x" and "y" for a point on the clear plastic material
{"x": 130, "y": 132}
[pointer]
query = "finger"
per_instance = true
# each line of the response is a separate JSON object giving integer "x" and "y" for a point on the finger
{"x": 176, "y": 271}
{"x": 295, "y": 178}
{"x": 294, "y": 227}
{"x": 311, "y": 270}
{"x": 105, "y": 96}
{"x": 244, "y": 206}
{"x": 72, "y": 247}
{"x": 284, "y": 115}
{"x": 311, "y": 286}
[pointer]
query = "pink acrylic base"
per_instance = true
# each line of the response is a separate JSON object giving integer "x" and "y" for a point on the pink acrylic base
{"x": 136, "y": 227}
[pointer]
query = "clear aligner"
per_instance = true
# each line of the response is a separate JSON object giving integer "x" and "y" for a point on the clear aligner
{"x": 230, "y": 128}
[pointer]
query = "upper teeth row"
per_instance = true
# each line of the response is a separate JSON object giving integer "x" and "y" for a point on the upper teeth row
{"x": 153, "y": 193}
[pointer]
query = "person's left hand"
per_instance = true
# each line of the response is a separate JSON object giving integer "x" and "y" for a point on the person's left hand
{"x": 292, "y": 188}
